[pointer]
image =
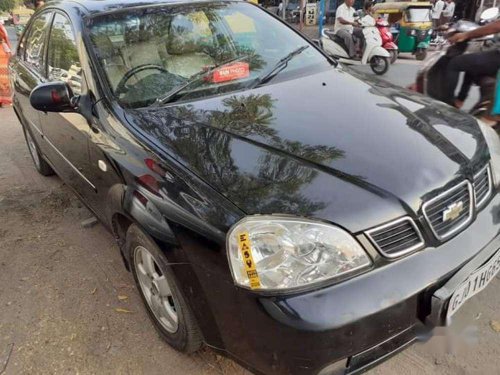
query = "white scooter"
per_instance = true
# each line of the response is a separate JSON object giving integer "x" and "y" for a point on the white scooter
{"x": 374, "y": 53}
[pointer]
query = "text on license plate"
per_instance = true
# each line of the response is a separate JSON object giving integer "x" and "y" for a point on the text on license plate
{"x": 476, "y": 282}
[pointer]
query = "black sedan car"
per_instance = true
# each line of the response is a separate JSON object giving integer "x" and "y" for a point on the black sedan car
{"x": 270, "y": 204}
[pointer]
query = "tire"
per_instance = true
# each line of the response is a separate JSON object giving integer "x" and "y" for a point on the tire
{"x": 394, "y": 56}
{"x": 421, "y": 54}
{"x": 164, "y": 299}
{"x": 40, "y": 164}
{"x": 379, "y": 65}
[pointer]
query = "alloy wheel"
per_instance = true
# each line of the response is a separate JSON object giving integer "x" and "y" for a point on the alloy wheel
{"x": 156, "y": 289}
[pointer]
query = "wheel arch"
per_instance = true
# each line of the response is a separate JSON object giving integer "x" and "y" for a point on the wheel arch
{"x": 123, "y": 210}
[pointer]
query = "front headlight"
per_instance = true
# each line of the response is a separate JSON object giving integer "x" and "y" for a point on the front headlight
{"x": 277, "y": 253}
{"x": 493, "y": 142}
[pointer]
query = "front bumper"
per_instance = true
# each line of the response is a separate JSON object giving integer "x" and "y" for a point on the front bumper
{"x": 358, "y": 322}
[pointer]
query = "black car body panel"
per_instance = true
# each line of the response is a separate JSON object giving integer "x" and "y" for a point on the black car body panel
{"x": 268, "y": 157}
{"x": 335, "y": 146}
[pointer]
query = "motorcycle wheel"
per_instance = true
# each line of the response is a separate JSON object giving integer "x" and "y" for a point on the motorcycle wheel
{"x": 379, "y": 64}
{"x": 421, "y": 54}
{"x": 394, "y": 56}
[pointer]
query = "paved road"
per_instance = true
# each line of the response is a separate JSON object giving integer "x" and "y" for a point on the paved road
{"x": 404, "y": 71}
{"x": 60, "y": 288}
{"x": 12, "y": 36}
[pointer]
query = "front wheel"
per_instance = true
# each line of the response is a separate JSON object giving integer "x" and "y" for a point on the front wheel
{"x": 394, "y": 55}
{"x": 421, "y": 54}
{"x": 161, "y": 293}
{"x": 379, "y": 65}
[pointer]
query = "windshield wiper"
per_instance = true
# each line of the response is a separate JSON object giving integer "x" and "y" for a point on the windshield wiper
{"x": 193, "y": 79}
{"x": 280, "y": 65}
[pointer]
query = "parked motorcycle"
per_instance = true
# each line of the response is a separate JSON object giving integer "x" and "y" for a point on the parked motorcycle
{"x": 387, "y": 39}
{"x": 373, "y": 54}
{"x": 431, "y": 77}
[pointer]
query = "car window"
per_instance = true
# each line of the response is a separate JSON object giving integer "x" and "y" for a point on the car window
{"x": 194, "y": 25}
{"x": 63, "y": 61}
{"x": 147, "y": 53}
{"x": 243, "y": 29}
{"x": 36, "y": 40}
{"x": 21, "y": 46}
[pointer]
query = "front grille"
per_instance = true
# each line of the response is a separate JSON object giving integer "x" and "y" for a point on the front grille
{"x": 450, "y": 211}
{"x": 482, "y": 186}
{"x": 396, "y": 238}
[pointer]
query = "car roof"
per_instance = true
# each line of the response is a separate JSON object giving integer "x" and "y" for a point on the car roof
{"x": 102, "y": 6}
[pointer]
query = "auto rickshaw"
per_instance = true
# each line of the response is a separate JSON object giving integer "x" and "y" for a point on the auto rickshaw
{"x": 410, "y": 24}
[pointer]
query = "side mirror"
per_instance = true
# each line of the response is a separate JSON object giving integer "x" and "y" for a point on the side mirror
{"x": 490, "y": 14}
{"x": 53, "y": 97}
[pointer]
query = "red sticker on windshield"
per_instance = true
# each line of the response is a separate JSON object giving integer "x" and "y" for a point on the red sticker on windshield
{"x": 231, "y": 72}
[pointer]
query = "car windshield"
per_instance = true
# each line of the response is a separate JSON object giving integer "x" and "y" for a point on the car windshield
{"x": 148, "y": 53}
{"x": 419, "y": 15}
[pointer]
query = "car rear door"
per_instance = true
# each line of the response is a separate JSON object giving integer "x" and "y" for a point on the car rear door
{"x": 67, "y": 134}
{"x": 29, "y": 71}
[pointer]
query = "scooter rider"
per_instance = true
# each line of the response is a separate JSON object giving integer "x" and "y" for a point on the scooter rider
{"x": 474, "y": 65}
{"x": 367, "y": 11}
{"x": 344, "y": 26}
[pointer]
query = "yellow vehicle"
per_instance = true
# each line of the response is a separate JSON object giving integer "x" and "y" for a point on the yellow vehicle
{"x": 411, "y": 25}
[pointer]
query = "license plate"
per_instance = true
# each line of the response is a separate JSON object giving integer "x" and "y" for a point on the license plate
{"x": 476, "y": 282}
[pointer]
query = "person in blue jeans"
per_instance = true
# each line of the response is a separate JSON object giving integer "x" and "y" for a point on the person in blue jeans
{"x": 474, "y": 65}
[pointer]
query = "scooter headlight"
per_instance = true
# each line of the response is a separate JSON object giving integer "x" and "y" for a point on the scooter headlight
{"x": 493, "y": 141}
{"x": 279, "y": 253}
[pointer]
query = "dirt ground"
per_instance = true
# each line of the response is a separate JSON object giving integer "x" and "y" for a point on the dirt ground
{"x": 61, "y": 286}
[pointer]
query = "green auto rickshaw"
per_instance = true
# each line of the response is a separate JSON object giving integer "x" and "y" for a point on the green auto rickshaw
{"x": 410, "y": 23}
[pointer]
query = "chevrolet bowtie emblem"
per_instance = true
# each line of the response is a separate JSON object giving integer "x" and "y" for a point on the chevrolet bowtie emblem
{"x": 453, "y": 211}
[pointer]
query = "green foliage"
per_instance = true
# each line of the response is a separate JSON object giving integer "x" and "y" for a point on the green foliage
{"x": 7, "y": 5}
{"x": 63, "y": 50}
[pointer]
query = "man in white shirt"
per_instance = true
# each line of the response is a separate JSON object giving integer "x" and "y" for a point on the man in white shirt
{"x": 449, "y": 11}
{"x": 437, "y": 10}
{"x": 344, "y": 26}
{"x": 280, "y": 9}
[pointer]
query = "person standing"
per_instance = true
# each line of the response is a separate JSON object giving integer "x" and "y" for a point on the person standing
{"x": 448, "y": 12}
{"x": 437, "y": 10}
{"x": 344, "y": 26}
{"x": 280, "y": 9}
{"x": 5, "y": 53}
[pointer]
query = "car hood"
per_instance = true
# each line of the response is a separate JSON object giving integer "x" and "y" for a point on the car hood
{"x": 333, "y": 145}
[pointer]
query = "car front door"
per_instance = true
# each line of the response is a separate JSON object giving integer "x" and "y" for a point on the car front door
{"x": 67, "y": 134}
{"x": 29, "y": 67}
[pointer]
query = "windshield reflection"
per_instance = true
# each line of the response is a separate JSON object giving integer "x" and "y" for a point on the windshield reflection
{"x": 146, "y": 53}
